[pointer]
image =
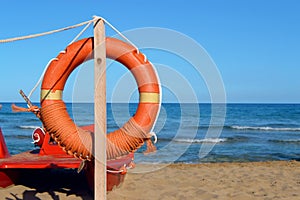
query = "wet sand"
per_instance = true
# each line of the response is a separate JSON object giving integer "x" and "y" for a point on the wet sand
{"x": 252, "y": 180}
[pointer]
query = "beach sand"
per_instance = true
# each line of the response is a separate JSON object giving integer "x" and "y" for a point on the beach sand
{"x": 251, "y": 180}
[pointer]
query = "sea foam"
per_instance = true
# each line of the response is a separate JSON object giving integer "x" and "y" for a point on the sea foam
{"x": 264, "y": 128}
{"x": 206, "y": 140}
{"x": 28, "y": 127}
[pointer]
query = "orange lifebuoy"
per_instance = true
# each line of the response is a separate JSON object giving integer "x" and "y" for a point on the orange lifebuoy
{"x": 78, "y": 142}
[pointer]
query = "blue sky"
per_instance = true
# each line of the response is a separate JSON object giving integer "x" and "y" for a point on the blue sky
{"x": 255, "y": 44}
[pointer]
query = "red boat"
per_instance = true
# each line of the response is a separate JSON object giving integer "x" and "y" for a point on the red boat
{"x": 50, "y": 155}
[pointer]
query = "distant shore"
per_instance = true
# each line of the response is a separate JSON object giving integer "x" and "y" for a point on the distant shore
{"x": 249, "y": 180}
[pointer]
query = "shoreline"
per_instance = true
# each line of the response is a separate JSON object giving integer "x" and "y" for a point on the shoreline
{"x": 228, "y": 180}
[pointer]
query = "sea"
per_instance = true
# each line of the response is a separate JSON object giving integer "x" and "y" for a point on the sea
{"x": 186, "y": 133}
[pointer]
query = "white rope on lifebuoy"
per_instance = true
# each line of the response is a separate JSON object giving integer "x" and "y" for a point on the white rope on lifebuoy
{"x": 121, "y": 170}
{"x": 41, "y": 78}
{"x": 63, "y": 51}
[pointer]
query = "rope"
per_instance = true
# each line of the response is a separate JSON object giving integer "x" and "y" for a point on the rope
{"x": 159, "y": 106}
{"x": 117, "y": 31}
{"x": 81, "y": 32}
{"x": 78, "y": 142}
{"x": 61, "y": 127}
{"x": 43, "y": 73}
{"x": 71, "y": 27}
{"x": 122, "y": 170}
{"x": 123, "y": 36}
{"x": 45, "y": 33}
{"x": 41, "y": 78}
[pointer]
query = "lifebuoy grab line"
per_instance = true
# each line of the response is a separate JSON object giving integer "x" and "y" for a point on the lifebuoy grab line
{"x": 78, "y": 142}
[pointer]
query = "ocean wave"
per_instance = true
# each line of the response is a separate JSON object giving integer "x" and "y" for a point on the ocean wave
{"x": 296, "y": 141}
{"x": 211, "y": 126}
{"x": 18, "y": 136}
{"x": 264, "y": 128}
{"x": 32, "y": 120}
{"x": 206, "y": 140}
{"x": 3, "y": 120}
{"x": 28, "y": 127}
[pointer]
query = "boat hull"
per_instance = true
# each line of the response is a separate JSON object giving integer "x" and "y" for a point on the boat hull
{"x": 50, "y": 156}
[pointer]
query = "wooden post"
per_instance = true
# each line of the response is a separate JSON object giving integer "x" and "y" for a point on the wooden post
{"x": 99, "y": 109}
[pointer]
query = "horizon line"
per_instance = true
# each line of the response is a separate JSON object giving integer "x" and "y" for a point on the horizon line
{"x": 170, "y": 102}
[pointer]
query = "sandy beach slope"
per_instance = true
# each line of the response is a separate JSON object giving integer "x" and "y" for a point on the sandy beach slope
{"x": 252, "y": 180}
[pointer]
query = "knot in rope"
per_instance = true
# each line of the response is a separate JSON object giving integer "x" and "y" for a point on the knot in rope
{"x": 32, "y": 108}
